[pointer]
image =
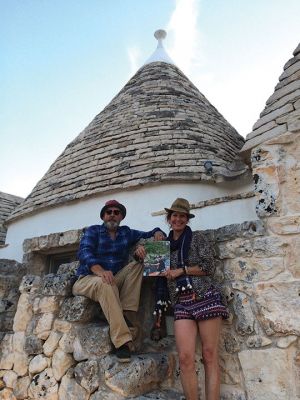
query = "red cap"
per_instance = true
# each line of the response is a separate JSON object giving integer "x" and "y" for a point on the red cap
{"x": 113, "y": 203}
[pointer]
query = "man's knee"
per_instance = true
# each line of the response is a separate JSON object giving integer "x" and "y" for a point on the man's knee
{"x": 91, "y": 286}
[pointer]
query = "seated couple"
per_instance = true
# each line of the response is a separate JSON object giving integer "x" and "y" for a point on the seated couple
{"x": 105, "y": 276}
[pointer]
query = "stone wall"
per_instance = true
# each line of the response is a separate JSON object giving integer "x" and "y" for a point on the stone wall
{"x": 8, "y": 203}
{"x": 59, "y": 348}
{"x": 11, "y": 273}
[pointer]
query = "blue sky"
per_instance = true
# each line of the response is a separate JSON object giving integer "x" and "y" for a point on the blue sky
{"x": 62, "y": 61}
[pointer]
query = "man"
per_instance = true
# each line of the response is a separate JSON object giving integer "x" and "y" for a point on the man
{"x": 104, "y": 274}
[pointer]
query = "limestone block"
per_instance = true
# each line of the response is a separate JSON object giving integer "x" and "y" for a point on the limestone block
{"x": 284, "y": 225}
{"x": 69, "y": 237}
{"x": 92, "y": 341}
{"x": 43, "y": 241}
{"x": 297, "y": 104}
{"x": 291, "y": 190}
{"x": 273, "y": 115}
{"x": 7, "y": 394}
{"x": 268, "y": 374}
{"x": 19, "y": 342}
{"x": 143, "y": 374}
{"x": 105, "y": 394}
{"x": 68, "y": 268}
{"x": 62, "y": 326}
{"x": 266, "y": 188}
{"x": 78, "y": 309}
{"x": 275, "y": 302}
{"x": 21, "y": 361}
{"x": 57, "y": 285}
{"x": 51, "y": 343}
{"x": 38, "y": 364}
{"x": 87, "y": 374}
{"x": 230, "y": 369}
{"x": 235, "y": 248}
{"x": 269, "y": 246}
{"x": 46, "y": 304}
{"x": 291, "y": 70}
{"x": 285, "y": 342}
{"x": 247, "y": 229}
{"x": 30, "y": 245}
{"x": 10, "y": 379}
{"x": 230, "y": 392}
{"x": 66, "y": 343}
{"x": 263, "y": 128}
{"x": 108, "y": 363}
{"x": 293, "y": 257}
{"x": 257, "y": 341}
{"x": 24, "y": 312}
{"x": 243, "y": 311}
{"x": 7, "y": 305}
{"x": 6, "y": 352}
{"x": 44, "y": 325}
{"x": 44, "y": 385}
{"x": 21, "y": 388}
{"x": 33, "y": 345}
{"x": 265, "y": 136}
{"x": 294, "y": 124}
{"x": 30, "y": 284}
{"x": 70, "y": 390}
{"x": 289, "y": 88}
{"x": 61, "y": 362}
{"x": 253, "y": 269}
{"x": 230, "y": 340}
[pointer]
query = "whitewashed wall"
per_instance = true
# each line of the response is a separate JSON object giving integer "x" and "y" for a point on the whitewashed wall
{"x": 140, "y": 204}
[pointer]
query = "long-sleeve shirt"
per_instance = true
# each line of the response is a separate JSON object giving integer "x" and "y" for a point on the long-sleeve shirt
{"x": 97, "y": 247}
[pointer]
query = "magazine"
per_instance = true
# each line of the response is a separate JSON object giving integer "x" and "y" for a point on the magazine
{"x": 157, "y": 258}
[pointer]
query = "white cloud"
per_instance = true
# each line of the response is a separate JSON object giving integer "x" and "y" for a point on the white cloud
{"x": 134, "y": 54}
{"x": 184, "y": 35}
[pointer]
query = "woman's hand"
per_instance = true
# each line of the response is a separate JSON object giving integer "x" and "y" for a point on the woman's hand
{"x": 140, "y": 252}
{"x": 172, "y": 273}
{"x": 159, "y": 236}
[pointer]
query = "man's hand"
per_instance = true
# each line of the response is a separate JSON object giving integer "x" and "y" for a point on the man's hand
{"x": 107, "y": 276}
{"x": 159, "y": 236}
{"x": 140, "y": 252}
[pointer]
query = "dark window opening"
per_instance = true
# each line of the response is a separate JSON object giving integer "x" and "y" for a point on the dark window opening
{"x": 55, "y": 260}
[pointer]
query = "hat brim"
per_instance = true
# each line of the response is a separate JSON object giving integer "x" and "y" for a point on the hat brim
{"x": 181, "y": 210}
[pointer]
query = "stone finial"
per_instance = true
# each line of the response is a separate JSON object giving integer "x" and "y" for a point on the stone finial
{"x": 160, "y": 35}
{"x": 160, "y": 53}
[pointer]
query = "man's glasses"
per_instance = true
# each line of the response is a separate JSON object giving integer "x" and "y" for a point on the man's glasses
{"x": 114, "y": 212}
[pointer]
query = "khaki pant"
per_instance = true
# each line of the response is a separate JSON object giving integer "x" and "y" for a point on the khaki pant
{"x": 114, "y": 299}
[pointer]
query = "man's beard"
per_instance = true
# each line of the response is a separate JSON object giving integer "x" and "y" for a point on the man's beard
{"x": 111, "y": 224}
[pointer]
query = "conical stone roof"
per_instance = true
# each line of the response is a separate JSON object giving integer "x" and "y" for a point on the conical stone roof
{"x": 282, "y": 110}
{"x": 159, "y": 128}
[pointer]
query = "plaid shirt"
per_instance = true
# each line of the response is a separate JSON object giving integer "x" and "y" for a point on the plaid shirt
{"x": 97, "y": 247}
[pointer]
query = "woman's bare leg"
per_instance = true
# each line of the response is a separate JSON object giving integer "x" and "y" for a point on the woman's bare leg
{"x": 210, "y": 334}
{"x": 185, "y": 335}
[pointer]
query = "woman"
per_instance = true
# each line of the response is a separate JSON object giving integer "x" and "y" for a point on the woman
{"x": 196, "y": 300}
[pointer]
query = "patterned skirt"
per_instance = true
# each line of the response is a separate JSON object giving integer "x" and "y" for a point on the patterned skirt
{"x": 208, "y": 306}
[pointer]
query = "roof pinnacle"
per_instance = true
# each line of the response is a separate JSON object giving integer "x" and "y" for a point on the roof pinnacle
{"x": 160, "y": 53}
